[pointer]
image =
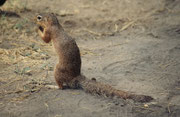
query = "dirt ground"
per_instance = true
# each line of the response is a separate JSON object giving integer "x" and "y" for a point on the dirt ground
{"x": 133, "y": 45}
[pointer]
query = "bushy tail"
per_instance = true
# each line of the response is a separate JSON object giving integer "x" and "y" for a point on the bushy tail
{"x": 97, "y": 88}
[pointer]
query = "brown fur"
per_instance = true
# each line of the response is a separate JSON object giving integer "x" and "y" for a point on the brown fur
{"x": 68, "y": 69}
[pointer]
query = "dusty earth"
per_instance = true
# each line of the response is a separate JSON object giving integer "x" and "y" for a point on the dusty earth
{"x": 133, "y": 45}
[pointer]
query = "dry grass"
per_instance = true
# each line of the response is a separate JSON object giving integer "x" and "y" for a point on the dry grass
{"x": 20, "y": 53}
{"x": 23, "y": 88}
{"x": 23, "y": 54}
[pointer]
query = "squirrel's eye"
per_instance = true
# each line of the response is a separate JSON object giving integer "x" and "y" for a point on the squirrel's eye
{"x": 39, "y": 18}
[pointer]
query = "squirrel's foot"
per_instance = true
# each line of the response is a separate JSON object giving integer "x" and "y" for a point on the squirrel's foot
{"x": 52, "y": 86}
{"x": 60, "y": 86}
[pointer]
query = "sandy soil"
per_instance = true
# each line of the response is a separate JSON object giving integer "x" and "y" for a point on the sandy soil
{"x": 133, "y": 45}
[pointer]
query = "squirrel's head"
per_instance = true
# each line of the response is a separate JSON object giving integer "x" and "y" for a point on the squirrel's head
{"x": 46, "y": 20}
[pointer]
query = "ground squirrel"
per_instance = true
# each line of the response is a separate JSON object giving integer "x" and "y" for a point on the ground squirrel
{"x": 68, "y": 69}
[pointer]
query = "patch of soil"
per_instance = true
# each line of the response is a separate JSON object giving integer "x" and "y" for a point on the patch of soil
{"x": 131, "y": 45}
